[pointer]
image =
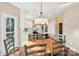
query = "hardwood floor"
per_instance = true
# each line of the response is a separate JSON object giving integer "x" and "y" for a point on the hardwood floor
{"x": 72, "y": 53}
{"x": 69, "y": 52}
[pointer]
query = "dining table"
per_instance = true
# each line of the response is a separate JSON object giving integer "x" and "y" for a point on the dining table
{"x": 49, "y": 50}
{"x": 28, "y": 43}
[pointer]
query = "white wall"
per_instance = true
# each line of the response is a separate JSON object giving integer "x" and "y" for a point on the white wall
{"x": 23, "y": 24}
{"x": 51, "y": 28}
{"x": 22, "y": 15}
{"x": 71, "y": 27}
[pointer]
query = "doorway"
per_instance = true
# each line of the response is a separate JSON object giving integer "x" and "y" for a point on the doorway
{"x": 60, "y": 28}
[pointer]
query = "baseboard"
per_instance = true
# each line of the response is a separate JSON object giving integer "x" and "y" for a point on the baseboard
{"x": 72, "y": 49}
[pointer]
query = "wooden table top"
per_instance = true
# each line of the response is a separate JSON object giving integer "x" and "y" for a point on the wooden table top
{"x": 48, "y": 48}
{"x": 28, "y": 43}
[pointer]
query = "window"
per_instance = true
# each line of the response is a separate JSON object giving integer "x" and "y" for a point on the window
{"x": 9, "y": 28}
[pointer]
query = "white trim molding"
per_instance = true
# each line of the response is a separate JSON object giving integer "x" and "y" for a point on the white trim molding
{"x": 75, "y": 50}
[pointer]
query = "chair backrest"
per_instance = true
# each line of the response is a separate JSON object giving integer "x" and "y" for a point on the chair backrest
{"x": 31, "y": 50}
{"x": 33, "y": 36}
{"x": 59, "y": 46}
{"x": 63, "y": 37}
{"x": 9, "y": 46}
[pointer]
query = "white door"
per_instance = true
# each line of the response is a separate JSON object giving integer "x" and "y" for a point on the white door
{"x": 9, "y": 30}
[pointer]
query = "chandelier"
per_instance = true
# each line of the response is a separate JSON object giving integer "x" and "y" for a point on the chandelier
{"x": 41, "y": 20}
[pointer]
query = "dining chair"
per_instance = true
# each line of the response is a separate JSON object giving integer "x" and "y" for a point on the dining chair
{"x": 10, "y": 48}
{"x": 35, "y": 50}
{"x": 59, "y": 48}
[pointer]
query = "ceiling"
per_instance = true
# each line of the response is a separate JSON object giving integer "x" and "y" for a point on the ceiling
{"x": 50, "y": 9}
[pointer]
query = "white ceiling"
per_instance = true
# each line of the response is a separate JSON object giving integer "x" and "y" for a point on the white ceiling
{"x": 50, "y": 9}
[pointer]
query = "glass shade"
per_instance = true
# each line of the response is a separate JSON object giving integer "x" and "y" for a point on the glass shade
{"x": 41, "y": 21}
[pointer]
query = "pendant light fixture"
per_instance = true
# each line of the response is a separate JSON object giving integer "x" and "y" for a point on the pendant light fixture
{"x": 41, "y": 19}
